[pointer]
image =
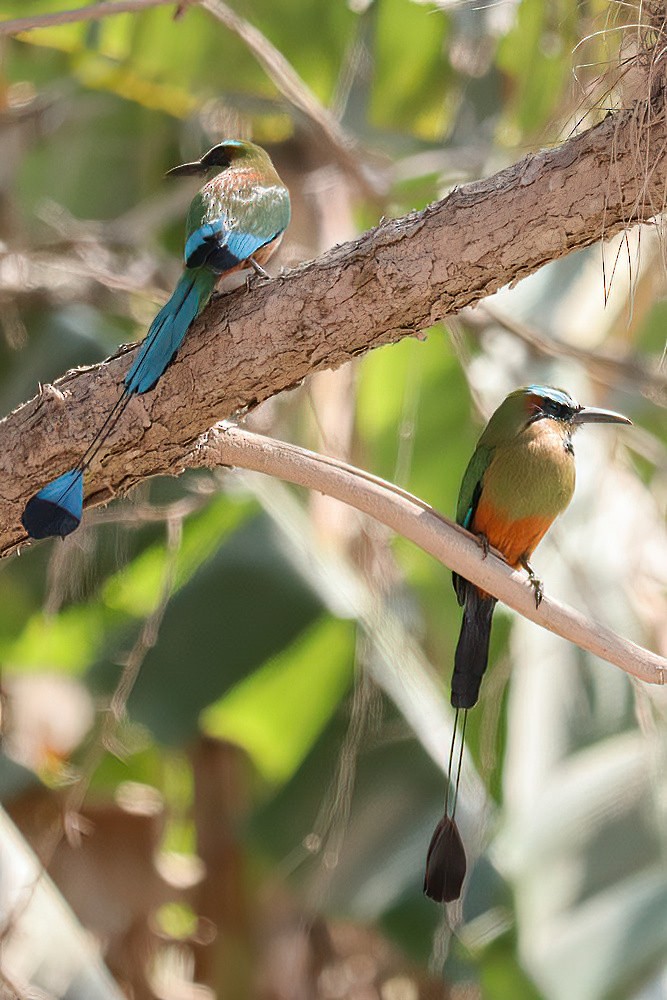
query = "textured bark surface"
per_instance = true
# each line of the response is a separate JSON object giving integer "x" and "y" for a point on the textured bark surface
{"x": 390, "y": 283}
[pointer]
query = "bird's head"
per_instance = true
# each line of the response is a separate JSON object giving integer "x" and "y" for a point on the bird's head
{"x": 220, "y": 157}
{"x": 533, "y": 403}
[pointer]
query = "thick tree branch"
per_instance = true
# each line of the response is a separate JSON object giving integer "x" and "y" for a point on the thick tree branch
{"x": 390, "y": 283}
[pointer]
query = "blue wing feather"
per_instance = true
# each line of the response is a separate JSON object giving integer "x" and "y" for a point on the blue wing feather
{"x": 244, "y": 245}
{"x": 222, "y": 246}
{"x": 202, "y": 239}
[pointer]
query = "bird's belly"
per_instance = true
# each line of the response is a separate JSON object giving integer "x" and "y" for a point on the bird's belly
{"x": 265, "y": 252}
{"x": 515, "y": 538}
{"x": 524, "y": 489}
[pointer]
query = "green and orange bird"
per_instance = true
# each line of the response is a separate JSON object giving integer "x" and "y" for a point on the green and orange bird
{"x": 235, "y": 221}
{"x": 519, "y": 479}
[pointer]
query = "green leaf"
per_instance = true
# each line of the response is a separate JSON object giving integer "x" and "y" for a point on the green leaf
{"x": 537, "y": 56}
{"x": 409, "y": 45}
{"x": 77, "y": 636}
{"x": 279, "y": 711}
{"x": 67, "y": 642}
{"x": 242, "y": 607}
{"x": 136, "y": 590}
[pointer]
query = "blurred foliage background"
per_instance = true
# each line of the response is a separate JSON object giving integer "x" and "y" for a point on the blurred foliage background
{"x": 235, "y": 694}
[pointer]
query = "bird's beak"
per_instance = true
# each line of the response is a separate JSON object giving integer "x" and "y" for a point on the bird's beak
{"x": 186, "y": 169}
{"x": 592, "y": 415}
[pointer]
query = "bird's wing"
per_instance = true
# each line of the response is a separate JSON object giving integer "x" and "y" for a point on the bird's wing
{"x": 229, "y": 246}
{"x": 471, "y": 487}
{"x": 229, "y": 225}
{"x": 469, "y": 494}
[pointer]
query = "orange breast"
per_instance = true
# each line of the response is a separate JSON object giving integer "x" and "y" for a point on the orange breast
{"x": 515, "y": 539}
{"x": 263, "y": 254}
{"x": 532, "y": 476}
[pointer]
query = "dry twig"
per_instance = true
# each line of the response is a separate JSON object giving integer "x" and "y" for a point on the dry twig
{"x": 340, "y": 145}
{"x": 603, "y": 368}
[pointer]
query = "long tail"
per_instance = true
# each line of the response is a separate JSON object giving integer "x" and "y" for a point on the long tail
{"x": 168, "y": 329}
{"x": 57, "y": 508}
{"x": 472, "y": 651}
{"x": 446, "y": 859}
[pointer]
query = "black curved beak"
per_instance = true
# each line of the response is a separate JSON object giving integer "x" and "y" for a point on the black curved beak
{"x": 187, "y": 169}
{"x": 592, "y": 415}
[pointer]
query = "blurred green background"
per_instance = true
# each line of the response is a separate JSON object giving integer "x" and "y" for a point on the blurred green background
{"x": 257, "y": 809}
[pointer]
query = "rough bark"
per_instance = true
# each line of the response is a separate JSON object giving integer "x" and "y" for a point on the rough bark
{"x": 392, "y": 282}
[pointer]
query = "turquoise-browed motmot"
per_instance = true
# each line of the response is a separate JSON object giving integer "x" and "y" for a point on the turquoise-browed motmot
{"x": 519, "y": 479}
{"x": 235, "y": 221}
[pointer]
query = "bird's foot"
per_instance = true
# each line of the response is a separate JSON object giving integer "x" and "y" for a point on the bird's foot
{"x": 485, "y": 544}
{"x": 535, "y": 582}
{"x": 257, "y": 274}
{"x": 258, "y": 269}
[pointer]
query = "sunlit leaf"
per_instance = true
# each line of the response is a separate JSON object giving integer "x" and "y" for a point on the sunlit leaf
{"x": 243, "y": 606}
{"x": 279, "y": 711}
{"x": 76, "y": 637}
{"x": 409, "y": 45}
{"x": 136, "y": 589}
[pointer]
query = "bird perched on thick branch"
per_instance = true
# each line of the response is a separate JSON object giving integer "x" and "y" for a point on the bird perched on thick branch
{"x": 520, "y": 478}
{"x": 235, "y": 221}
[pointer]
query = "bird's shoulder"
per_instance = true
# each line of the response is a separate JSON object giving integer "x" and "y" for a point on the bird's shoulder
{"x": 241, "y": 199}
{"x": 471, "y": 483}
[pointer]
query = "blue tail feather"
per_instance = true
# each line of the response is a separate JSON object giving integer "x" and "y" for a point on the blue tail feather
{"x": 168, "y": 330}
{"x": 58, "y": 507}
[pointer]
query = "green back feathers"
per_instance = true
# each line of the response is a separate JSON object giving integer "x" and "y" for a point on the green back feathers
{"x": 246, "y": 192}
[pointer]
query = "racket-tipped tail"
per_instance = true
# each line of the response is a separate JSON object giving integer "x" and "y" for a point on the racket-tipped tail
{"x": 445, "y": 863}
{"x": 57, "y": 509}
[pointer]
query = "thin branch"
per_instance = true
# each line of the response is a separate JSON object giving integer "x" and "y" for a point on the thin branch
{"x": 288, "y": 82}
{"x": 93, "y": 12}
{"x": 9, "y": 989}
{"x": 416, "y": 520}
{"x": 299, "y": 95}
